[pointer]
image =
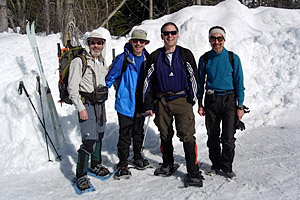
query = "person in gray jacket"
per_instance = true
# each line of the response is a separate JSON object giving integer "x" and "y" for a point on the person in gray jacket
{"x": 92, "y": 117}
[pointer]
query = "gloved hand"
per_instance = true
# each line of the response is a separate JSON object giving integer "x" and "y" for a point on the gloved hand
{"x": 240, "y": 125}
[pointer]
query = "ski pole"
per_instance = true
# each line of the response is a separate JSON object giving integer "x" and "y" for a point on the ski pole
{"x": 38, "y": 88}
{"x": 21, "y": 88}
{"x": 147, "y": 126}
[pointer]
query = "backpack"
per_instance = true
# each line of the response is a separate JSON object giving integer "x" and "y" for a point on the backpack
{"x": 66, "y": 55}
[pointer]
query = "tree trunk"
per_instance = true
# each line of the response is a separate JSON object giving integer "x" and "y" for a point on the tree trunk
{"x": 58, "y": 16}
{"x": 151, "y": 9}
{"x": 198, "y": 2}
{"x": 113, "y": 12}
{"x": 47, "y": 17}
{"x": 21, "y": 15}
{"x": 70, "y": 31}
{"x": 106, "y": 13}
{"x": 3, "y": 16}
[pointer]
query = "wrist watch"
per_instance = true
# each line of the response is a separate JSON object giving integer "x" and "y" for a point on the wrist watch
{"x": 241, "y": 107}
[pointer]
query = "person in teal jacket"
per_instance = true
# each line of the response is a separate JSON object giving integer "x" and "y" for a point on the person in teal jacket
{"x": 127, "y": 73}
{"x": 224, "y": 97}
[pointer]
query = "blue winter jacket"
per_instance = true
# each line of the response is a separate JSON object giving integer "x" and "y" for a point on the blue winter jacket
{"x": 221, "y": 75}
{"x": 126, "y": 97}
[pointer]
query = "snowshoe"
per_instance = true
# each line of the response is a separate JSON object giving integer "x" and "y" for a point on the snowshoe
{"x": 122, "y": 173}
{"x": 140, "y": 164}
{"x": 82, "y": 185}
{"x": 100, "y": 172}
{"x": 166, "y": 170}
{"x": 193, "y": 180}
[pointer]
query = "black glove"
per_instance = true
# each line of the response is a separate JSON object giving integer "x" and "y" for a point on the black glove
{"x": 240, "y": 125}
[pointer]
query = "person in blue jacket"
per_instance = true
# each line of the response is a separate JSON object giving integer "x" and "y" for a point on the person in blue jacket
{"x": 127, "y": 73}
{"x": 223, "y": 102}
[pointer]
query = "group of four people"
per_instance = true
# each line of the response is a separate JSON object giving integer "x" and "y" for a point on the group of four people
{"x": 168, "y": 83}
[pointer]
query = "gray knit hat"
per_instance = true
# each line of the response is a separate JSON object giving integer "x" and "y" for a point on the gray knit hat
{"x": 140, "y": 35}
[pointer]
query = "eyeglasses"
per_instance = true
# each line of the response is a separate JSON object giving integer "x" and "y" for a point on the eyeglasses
{"x": 166, "y": 33}
{"x": 213, "y": 39}
{"x": 99, "y": 43}
{"x": 138, "y": 40}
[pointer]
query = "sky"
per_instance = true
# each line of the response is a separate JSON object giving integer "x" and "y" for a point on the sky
{"x": 267, "y": 152}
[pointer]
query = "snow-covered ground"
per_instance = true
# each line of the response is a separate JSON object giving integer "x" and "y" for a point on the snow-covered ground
{"x": 267, "y": 153}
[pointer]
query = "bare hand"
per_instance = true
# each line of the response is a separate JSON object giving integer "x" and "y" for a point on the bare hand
{"x": 201, "y": 111}
{"x": 240, "y": 114}
{"x": 83, "y": 115}
{"x": 150, "y": 112}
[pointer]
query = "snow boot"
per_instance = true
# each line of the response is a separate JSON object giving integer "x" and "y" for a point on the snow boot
{"x": 140, "y": 163}
{"x": 100, "y": 170}
{"x": 213, "y": 171}
{"x": 193, "y": 179}
{"x": 83, "y": 183}
{"x": 122, "y": 173}
{"x": 229, "y": 175}
{"x": 166, "y": 169}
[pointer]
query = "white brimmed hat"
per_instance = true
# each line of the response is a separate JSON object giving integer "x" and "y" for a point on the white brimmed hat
{"x": 95, "y": 35}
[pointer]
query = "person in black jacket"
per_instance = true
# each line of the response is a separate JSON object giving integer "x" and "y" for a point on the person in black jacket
{"x": 170, "y": 88}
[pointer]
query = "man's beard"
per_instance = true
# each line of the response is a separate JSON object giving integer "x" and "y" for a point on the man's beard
{"x": 95, "y": 53}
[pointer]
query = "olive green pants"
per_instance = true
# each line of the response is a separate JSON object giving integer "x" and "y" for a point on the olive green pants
{"x": 182, "y": 112}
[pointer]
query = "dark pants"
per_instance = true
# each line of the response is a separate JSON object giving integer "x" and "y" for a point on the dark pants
{"x": 131, "y": 127}
{"x": 220, "y": 108}
{"x": 182, "y": 112}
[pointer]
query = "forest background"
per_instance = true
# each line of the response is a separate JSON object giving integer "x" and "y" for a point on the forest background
{"x": 74, "y": 17}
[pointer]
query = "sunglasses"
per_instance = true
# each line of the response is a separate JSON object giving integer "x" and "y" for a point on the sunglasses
{"x": 138, "y": 40}
{"x": 166, "y": 33}
{"x": 213, "y": 39}
{"x": 99, "y": 43}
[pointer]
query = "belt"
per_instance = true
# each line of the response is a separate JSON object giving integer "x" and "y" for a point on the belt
{"x": 162, "y": 97}
{"x": 225, "y": 92}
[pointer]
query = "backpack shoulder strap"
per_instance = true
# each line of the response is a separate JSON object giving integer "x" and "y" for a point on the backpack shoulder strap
{"x": 124, "y": 66}
{"x": 182, "y": 54}
{"x": 205, "y": 58}
{"x": 156, "y": 54}
{"x": 84, "y": 62}
{"x": 230, "y": 54}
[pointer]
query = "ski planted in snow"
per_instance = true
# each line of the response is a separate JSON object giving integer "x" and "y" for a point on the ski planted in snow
{"x": 20, "y": 90}
{"x": 54, "y": 120}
